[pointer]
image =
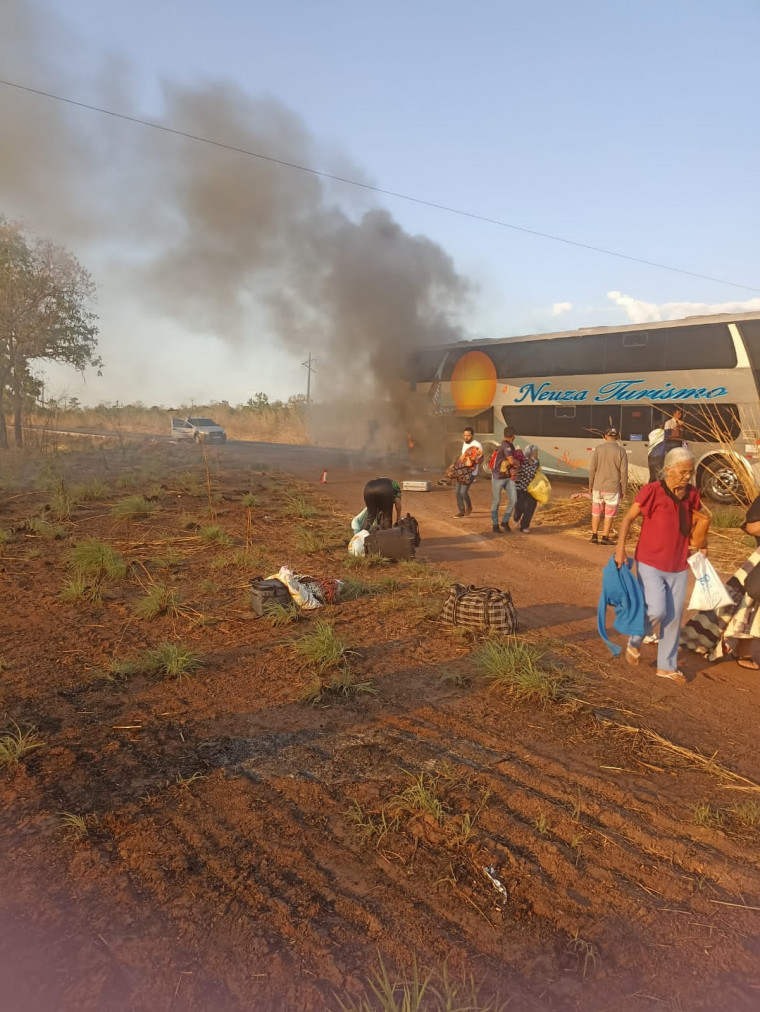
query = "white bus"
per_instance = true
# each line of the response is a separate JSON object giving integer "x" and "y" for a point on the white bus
{"x": 562, "y": 391}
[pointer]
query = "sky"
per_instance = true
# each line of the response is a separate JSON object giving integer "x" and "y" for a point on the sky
{"x": 631, "y": 126}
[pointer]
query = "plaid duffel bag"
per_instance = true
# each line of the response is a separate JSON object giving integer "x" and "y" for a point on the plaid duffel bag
{"x": 480, "y": 608}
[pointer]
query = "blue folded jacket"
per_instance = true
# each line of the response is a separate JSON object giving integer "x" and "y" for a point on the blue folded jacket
{"x": 621, "y": 590}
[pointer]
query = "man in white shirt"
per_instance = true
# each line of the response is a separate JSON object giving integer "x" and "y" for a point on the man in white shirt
{"x": 471, "y": 451}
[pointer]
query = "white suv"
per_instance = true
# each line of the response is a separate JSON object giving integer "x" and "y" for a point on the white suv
{"x": 198, "y": 429}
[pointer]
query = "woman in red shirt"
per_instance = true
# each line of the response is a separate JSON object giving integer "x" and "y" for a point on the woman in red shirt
{"x": 667, "y": 508}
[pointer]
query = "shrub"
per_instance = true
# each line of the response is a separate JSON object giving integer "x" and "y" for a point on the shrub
{"x": 158, "y": 600}
{"x": 77, "y": 589}
{"x": 132, "y": 506}
{"x": 298, "y": 508}
{"x": 41, "y": 527}
{"x": 93, "y": 490}
{"x": 214, "y": 535}
{"x": 97, "y": 561}
{"x": 15, "y": 745}
{"x": 62, "y": 502}
{"x": 523, "y": 670}
{"x": 433, "y": 992}
{"x": 168, "y": 660}
{"x": 322, "y": 648}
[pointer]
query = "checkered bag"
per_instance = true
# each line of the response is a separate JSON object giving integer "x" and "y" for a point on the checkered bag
{"x": 480, "y": 608}
{"x": 460, "y": 473}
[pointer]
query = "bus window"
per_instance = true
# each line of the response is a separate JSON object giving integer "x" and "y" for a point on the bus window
{"x": 525, "y": 419}
{"x": 635, "y": 423}
{"x": 576, "y": 356}
{"x": 634, "y": 352}
{"x": 603, "y": 417}
{"x": 565, "y": 420}
{"x": 704, "y": 347}
{"x": 711, "y": 423}
{"x": 750, "y": 330}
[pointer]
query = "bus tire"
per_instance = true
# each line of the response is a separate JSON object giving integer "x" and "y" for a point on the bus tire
{"x": 718, "y": 481}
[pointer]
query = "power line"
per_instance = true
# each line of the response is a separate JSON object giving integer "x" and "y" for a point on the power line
{"x": 375, "y": 189}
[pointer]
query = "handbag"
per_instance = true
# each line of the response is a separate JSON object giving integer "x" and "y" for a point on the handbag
{"x": 540, "y": 487}
{"x": 700, "y": 525}
{"x": 480, "y": 608}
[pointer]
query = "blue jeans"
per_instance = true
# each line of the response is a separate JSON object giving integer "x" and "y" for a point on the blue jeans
{"x": 664, "y": 597}
{"x": 499, "y": 485}
{"x": 464, "y": 503}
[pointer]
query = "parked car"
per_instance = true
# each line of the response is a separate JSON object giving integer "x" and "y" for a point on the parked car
{"x": 198, "y": 429}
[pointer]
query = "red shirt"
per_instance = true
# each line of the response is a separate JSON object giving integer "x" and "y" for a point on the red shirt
{"x": 661, "y": 543}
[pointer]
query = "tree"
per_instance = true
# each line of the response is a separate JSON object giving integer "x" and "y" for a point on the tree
{"x": 258, "y": 402}
{"x": 44, "y": 314}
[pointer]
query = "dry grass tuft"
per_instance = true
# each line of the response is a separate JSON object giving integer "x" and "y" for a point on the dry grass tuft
{"x": 14, "y": 745}
{"x": 524, "y": 671}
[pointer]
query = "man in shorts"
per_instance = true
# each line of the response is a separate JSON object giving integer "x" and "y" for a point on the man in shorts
{"x": 607, "y": 483}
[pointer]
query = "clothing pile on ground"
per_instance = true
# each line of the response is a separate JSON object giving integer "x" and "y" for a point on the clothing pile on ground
{"x": 305, "y": 592}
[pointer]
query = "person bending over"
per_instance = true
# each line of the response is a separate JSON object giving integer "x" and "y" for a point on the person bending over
{"x": 381, "y": 497}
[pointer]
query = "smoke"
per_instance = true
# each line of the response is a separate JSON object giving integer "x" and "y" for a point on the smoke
{"x": 214, "y": 240}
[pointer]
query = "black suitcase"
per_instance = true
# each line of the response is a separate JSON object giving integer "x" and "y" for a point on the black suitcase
{"x": 396, "y": 543}
{"x": 409, "y": 525}
{"x": 265, "y": 593}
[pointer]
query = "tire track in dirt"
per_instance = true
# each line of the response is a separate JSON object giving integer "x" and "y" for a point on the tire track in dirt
{"x": 332, "y": 907}
{"x": 629, "y": 865}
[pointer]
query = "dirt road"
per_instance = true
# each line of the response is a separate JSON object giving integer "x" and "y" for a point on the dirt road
{"x": 243, "y": 847}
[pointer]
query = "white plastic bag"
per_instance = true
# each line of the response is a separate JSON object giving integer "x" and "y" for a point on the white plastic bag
{"x": 356, "y": 544}
{"x": 709, "y": 593}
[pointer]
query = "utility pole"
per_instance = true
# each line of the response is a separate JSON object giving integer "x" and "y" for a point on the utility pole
{"x": 308, "y": 365}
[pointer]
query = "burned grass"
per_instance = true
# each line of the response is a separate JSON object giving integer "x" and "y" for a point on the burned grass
{"x": 218, "y": 848}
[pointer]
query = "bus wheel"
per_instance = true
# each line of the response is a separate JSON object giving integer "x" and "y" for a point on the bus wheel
{"x": 720, "y": 482}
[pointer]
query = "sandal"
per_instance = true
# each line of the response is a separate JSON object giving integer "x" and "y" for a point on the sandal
{"x": 674, "y": 676}
{"x": 748, "y": 664}
{"x": 632, "y": 655}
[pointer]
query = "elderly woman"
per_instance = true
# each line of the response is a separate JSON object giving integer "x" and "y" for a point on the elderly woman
{"x": 526, "y": 504}
{"x": 732, "y": 632}
{"x": 667, "y": 508}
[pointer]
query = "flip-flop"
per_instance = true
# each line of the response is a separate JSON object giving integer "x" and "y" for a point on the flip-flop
{"x": 632, "y": 655}
{"x": 674, "y": 676}
{"x": 748, "y": 664}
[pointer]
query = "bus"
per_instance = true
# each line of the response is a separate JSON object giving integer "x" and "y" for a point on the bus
{"x": 562, "y": 391}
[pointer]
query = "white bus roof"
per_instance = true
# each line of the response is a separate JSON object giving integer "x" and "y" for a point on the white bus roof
{"x": 689, "y": 321}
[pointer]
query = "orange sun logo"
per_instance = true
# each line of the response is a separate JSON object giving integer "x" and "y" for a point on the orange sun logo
{"x": 473, "y": 382}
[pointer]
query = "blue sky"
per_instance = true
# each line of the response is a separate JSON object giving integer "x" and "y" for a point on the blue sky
{"x": 632, "y": 126}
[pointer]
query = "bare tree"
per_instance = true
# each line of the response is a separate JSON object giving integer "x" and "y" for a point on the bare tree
{"x": 44, "y": 314}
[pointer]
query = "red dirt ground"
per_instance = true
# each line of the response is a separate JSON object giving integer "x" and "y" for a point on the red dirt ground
{"x": 252, "y": 886}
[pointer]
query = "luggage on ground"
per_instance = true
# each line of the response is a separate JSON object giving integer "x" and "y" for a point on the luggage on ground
{"x": 397, "y": 543}
{"x": 409, "y": 525}
{"x": 268, "y": 593}
{"x": 484, "y": 608}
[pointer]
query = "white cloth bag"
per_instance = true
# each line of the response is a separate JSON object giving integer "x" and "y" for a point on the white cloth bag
{"x": 709, "y": 592}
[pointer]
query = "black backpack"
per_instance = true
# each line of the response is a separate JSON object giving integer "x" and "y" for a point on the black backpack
{"x": 409, "y": 526}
